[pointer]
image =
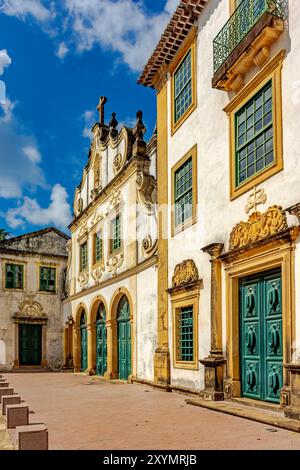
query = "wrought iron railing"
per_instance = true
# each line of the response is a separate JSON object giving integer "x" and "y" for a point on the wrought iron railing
{"x": 240, "y": 24}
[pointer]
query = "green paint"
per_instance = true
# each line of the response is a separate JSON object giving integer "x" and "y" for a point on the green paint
{"x": 84, "y": 343}
{"x": 30, "y": 345}
{"x": 261, "y": 337}
{"x": 124, "y": 339}
{"x": 101, "y": 342}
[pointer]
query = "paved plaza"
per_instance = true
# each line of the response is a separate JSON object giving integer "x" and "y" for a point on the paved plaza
{"x": 89, "y": 413}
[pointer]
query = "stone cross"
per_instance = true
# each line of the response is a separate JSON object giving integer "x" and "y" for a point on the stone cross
{"x": 100, "y": 108}
{"x": 258, "y": 196}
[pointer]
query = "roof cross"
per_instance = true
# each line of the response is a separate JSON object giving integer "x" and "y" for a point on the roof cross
{"x": 100, "y": 108}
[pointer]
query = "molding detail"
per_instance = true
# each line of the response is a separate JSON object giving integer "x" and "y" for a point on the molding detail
{"x": 149, "y": 246}
{"x": 258, "y": 196}
{"x": 185, "y": 273}
{"x": 30, "y": 309}
{"x": 97, "y": 217}
{"x": 83, "y": 279}
{"x": 258, "y": 227}
{"x": 145, "y": 185}
{"x": 83, "y": 229}
{"x": 97, "y": 273}
{"x": 114, "y": 263}
{"x": 115, "y": 198}
{"x": 118, "y": 163}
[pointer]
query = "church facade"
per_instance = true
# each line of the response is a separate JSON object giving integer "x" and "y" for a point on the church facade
{"x": 32, "y": 278}
{"x": 110, "y": 311}
{"x": 228, "y": 306}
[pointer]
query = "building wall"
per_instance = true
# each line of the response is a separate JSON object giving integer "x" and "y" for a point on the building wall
{"x": 10, "y": 301}
{"x": 208, "y": 128}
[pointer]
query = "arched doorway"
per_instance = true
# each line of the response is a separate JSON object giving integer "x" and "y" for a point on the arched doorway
{"x": 101, "y": 340}
{"x": 124, "y": 338}
{"x": 84, "y": 342}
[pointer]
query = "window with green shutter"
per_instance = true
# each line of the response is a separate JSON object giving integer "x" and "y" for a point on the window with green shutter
{"x": 183, "y": 93}
{"x": 185, "y": 334}
{"x": 98, "y": 247}
{"x": 254, "y": 136}
{"x": 116, "y": 234}
{"x": 183, "y": 188}
{"x": 83, "y": 256}
{"x": 47, "y": 279}
{"x": 14, "y": 274}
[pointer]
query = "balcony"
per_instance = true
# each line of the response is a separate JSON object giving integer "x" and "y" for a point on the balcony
{"x": 245, "y": 40}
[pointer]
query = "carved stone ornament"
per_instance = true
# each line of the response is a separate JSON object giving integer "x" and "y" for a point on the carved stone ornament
{"x": 95, "y": 192}
{"x": 97, "y": 274}
{"x": 79, "y": 205}
{"x": 83, "y": 229}
{"x": 114, "y": 263}
{"x": 115, "y": 198}
{"x": 258, "y": 227}
{"x": 97, "y": 217}
{"x": 118, "y": 163}
{"x": 185, "y": 273}
{"x": 145, "y": 185}
{"x": 149, "y": 246}
{"x": 83, "y": 279}
{"x": 258, "y": 196}
{"x": 30, "y": 309}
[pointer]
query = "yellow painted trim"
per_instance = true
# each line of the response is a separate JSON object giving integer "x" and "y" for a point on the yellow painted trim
{"x": 192, "y": 220}
{"x": 189, "y": 45}
{"x": 6, "y": 261}
{"x": 55, "y": 266}
{"x": 259, "y": 260}
{"x": 232, "y": 6}
{"x": 179, "y": 300}
{"x": 272, "y": 71}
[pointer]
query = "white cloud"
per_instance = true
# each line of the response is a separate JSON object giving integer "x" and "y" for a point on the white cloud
{"x": 58, "y": 212}
{"x": 62, "y": 50}
{"x": 32, "y": 154}
{"x": 23, "y": 8}
{"x": 18, "y": 168}
{"x": 89, "y": 120}
{"x": 5, "y": 60}
{"x": 122, "y": 26}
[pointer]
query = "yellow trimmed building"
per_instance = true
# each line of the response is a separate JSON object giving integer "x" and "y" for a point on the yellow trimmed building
{"x": 228, "y": 307}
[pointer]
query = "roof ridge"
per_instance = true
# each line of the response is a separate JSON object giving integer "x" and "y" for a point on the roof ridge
{"x": 37, "y": 233}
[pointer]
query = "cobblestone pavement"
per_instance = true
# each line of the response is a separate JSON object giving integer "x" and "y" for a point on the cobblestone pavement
{"x": 89, "y": 413}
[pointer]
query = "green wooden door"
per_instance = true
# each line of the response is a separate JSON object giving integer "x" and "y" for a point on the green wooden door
{"x": 30, "y": 345}
{"x": 84, "y": 343}
{"x": 124, "y": 339}
{"x": 261, "y": 337}
{"x": 101, "y": 341}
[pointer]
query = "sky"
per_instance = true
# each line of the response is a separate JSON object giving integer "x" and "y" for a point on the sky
{"x": 56, "y": 59}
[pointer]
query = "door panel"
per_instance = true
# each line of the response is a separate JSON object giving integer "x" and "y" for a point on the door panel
{"x": 261, "y": 337}
{"x": 30, "y": 345}
{"x": 101, "y": 348}
{"x": 124, "y": 339}
{"x": 84, "y": 348}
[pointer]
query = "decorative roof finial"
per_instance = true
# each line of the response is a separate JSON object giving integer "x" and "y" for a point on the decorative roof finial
{"x": 113, "y": 125}
{"x": 140, "y": 128}
{"x": 100, "y": 108}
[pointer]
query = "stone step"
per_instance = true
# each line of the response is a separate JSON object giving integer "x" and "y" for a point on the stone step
{"x": 31, "y": 437}
{"x": 271, "y": 418}
{"x": 17, "y": 415}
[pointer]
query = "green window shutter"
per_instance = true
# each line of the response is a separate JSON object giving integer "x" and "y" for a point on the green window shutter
{"x": 47, "y": 279}
{"x": 254, "y": 135}
{"x": 185, "y": 334}
{"x": 83, "y": 257}
{"x": 183, "y": 94}
{"x": 116, "y": 234}
{"x": 14, "y": 276}
{"x": 183, "y": 186}
{"x": 98, "y": 247}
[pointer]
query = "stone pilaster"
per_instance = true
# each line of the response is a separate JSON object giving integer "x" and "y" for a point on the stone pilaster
{"x": 293, "y": 401}
{"x": 112, "y": 353}
{"x": 214, "y": 363}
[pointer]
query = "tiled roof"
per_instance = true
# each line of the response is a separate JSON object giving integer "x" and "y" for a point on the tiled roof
{"x": 181, "y": 23}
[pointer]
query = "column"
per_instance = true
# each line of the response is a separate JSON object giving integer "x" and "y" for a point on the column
{"x": 214, "y": 363}
{"x": 112, "y": 350}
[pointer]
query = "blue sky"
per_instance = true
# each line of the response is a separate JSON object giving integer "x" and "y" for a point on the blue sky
{"x": 57, "y": 58}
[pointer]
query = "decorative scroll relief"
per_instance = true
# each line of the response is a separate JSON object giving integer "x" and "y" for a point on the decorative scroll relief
{"x": 258, "y": 227}
{"x": 97, "y": 274}
{"x": 145, "y": 185}
{"x": 97, "y": 217}
{"x": 258, "y": 196}
{"x": 114, "y": 263}
{"x": 115, "y": 198}
{"x": 30, "y": 308}
{"x": 83, "y": 279}
{"x": 185, "y": 273}
{"x": 83, "y": 229}
{"x": 118, "y": 163}
{"x": 149, "y": 246}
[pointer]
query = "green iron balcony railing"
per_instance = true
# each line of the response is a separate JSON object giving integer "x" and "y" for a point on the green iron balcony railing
{"x": 245, "y": 17}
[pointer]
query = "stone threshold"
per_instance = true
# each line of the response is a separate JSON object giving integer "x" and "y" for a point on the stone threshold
{"x": 272, "y": 418}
